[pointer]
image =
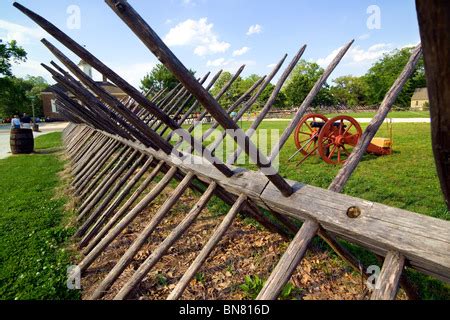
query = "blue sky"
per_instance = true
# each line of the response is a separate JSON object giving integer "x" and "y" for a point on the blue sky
{"x": 208, "y": 35}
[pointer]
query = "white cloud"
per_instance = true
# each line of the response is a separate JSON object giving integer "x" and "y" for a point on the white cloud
{"x": 410, "y": 45}
{"x": 229, "y": 64}
{"x": 255, "y": 29}
{"x": 357, "y": 55}
{"x": 132, "y": 73}
{"x": 272, "y": 65}
{"x": 188, "y": 2}
{"x": 364, "y": 36}
{"x": 31, "y": 67}
{"x": 241, "y": 51}
{"x": 23, "y": 35}
{"x": 199, "y": 34}
{"x": 217, "y": 63}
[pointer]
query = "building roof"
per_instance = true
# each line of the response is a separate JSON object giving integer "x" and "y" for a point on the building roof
{"x": 111, "y": 88}
{"x": 108, "y": 86}
{"x": 420, "y": 94}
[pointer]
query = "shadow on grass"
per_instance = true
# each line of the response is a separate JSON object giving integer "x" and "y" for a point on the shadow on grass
{"x": 48, "y": 151}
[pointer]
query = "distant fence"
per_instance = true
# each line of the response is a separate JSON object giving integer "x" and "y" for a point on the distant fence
{"x": 283, "y": 114}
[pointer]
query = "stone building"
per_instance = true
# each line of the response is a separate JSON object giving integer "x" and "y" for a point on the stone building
{"x": 420, "y": 101}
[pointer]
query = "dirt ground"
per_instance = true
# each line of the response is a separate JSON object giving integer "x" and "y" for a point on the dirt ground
{"x": 246, "y": 250}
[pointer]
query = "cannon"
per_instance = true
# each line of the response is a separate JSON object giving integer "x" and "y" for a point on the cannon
{"x": 333, "y": 139}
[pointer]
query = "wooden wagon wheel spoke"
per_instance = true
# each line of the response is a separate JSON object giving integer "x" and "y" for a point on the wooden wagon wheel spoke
{"x": 348, "y": 129}
{"x": 333, "y": 151}
{"x": 341, "y": 126}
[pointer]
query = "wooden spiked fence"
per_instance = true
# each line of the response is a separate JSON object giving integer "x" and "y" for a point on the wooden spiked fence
{"x": 113, "y": 145}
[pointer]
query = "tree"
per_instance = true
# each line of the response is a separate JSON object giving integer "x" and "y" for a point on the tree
{"x": 382, "y": 75}
{"x": 241, "y": 86}
{"x": 159, "y": 78}
{"x": 300, "y": 83}
{"x": 350, "y": 91}
{"x": 232, "y": 94}
{"x": 17, "y": 95}
{"x": 10, "y": 52}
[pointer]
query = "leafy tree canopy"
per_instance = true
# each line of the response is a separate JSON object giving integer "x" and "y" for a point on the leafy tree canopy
{"x": 302, "y": 80}
{"x": 17, "y": 95}
{"x": 10, "y": 53}
{"x": 350, "y": 91}
{"x": 382, "y": 75}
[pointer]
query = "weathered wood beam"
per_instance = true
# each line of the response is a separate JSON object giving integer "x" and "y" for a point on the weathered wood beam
{"x": 158, "y": 253}
{"x": 387, "y": 283}
{"x": 289, "y": 262}
{"x": 120, "y": 213}
{"x": 308, "y": 101}
{"x": 425, "y": 240}
{"x": 358, "y": 152}
{"x": 114, "y": 232}
{"x": 163, "y": 53}
{"x": 434, "y": 22}
{"x": 207, "y": 249}
{"x": 127, "y": 258}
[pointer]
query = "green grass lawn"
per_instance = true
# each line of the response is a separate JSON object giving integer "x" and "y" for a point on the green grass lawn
{"x": 33, "y": 236}
{"x": 393, "y": 114}
{"x": 407, "y": 179}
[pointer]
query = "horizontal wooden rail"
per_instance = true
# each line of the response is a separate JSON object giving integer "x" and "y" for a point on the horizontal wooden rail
{"x": 423, "y": 241}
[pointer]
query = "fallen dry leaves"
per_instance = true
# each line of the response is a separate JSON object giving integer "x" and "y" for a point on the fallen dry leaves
{"x": 244, "y": 251}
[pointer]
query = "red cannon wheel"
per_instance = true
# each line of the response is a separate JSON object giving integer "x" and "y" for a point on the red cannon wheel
{"x": 338, "y": 138}
{"x": 306, "y": 135}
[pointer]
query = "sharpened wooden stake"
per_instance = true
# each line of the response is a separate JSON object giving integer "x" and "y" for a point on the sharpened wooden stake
{"x": 88, "y": 185}
{"x": 289, "y": 262}
{"x": 117, "y": 201}
{"x": 157, "y": 254}
{"x": 104, "y": 243}
{"x": 125, "y": 86}
{"x": 108, "y": 196}
{"x": 388, "y": 281}
{"x": 207, "y": 249}
{"x": 90, "y": 205}
{"x": 127, "y": 258}
{"x": 358, "y": 152}
{"x": 103, "y": 182}
{"x": 308, "y": 101}
{"x": 154, "y": 43}
{"x": 121, "y": 211}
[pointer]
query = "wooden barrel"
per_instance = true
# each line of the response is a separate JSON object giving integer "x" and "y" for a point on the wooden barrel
{"x": 22, "y": 141}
